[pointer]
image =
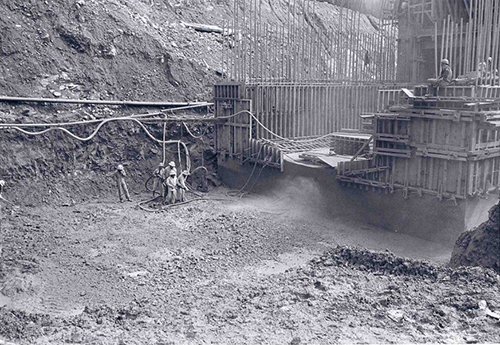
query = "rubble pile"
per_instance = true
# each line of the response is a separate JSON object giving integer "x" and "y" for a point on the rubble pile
{"x": 480, "y": 246}
{"x": 386, "y": 263}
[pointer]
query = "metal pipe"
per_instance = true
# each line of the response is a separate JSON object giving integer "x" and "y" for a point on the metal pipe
{"x": 102, "y": 102}
{"x": 164, "y": 137}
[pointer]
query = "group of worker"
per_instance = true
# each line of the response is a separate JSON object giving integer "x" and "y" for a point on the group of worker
{"x": 172, "y": 187}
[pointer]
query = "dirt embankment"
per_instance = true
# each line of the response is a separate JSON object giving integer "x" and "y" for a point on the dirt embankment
{"x": 133, "y": 50}
{"x": 55, "y": 167}
{"x": 480, "y": 246}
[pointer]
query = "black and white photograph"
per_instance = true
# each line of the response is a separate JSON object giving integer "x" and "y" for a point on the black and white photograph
{"x": 258, "y": 172}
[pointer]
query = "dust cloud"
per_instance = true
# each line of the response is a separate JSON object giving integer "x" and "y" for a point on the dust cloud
{"x": 302, "y": 205}
{"x": 297, "y": 198}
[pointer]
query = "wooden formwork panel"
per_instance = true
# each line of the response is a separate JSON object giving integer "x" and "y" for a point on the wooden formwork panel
{"x": 483, "y": 176}
{"x": 487, "y": 91}
{"x": 391, "y": 135}
{"x": 467, "y": 92}
{"x": 349, "y": 145}
{"x": 265, "y": 154}
{"x": 437, "y": 175}
{"x": 486, "y": 141}
{"x": 390, "y": 98}
{"x": 303, "y": 110}
{"x": 446, "y": 157}
{"x": 442, "y": 178}
{"x": 441, "y": 136}
{"x": 457, "y": 91}
{"x": 229, "y": 91}
{"x": 446, "y": 147}
{"x": 235, "y": 129}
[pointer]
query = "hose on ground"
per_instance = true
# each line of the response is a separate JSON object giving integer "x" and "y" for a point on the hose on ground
{"x": 166, "y": 207}
{"x": 142, "y": 207}
{"x": 240, "y": 192}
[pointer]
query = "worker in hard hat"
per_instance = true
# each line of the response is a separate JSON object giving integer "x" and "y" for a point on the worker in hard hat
{"x": 444, "y": 78}
{"x": 2, "y": 186}
{"x": 486, "y": 71}
{"x": 166, "y": 173}
{"x": 181, "y": 185}
{"x": 158, "y": 180}
{"x": 171, "y": 184}
{"x": 120, "y": 175}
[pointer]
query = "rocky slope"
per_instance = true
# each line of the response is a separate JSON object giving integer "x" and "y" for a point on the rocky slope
{"x": 123, "y": 49}
{"x": 110, "y": 50}
{"x": 480, "y": 246}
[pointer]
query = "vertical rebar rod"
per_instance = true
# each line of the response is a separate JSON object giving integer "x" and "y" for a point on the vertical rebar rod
{"x": 450, "y": 42}
{"x": 436, "y": 47}
{"x": 495, "y": 64}
{"x": 461, "y": 47}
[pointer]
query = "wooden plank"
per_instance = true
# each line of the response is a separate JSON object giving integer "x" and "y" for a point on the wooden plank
{"x": 419, "y": 171}
{"x": 431, "y": 183}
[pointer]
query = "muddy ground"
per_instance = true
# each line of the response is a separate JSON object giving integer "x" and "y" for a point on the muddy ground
{"x": 227, "y": 270}
{"x": 79, "y": 268}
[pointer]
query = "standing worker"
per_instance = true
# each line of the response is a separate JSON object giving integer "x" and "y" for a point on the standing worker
{"x": 158, "y": 180}
{"x": 120, "y": 180}
{"x": 166, "y": 175}
{"x": 172, "y": 187}
{"x": 2, "y": 185}
{"x": 443, "y": 80}
{"x": 181, "y": 184}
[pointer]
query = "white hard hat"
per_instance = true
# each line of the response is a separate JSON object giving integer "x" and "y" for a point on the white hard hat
{"x": 172, "y": 164}
{"x": 445, "y": 61}
{"x": 120, "y": 167}
{"x": 2, "y": 183}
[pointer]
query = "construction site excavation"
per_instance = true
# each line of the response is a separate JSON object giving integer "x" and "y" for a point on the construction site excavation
{"x": 249, "y": 172}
